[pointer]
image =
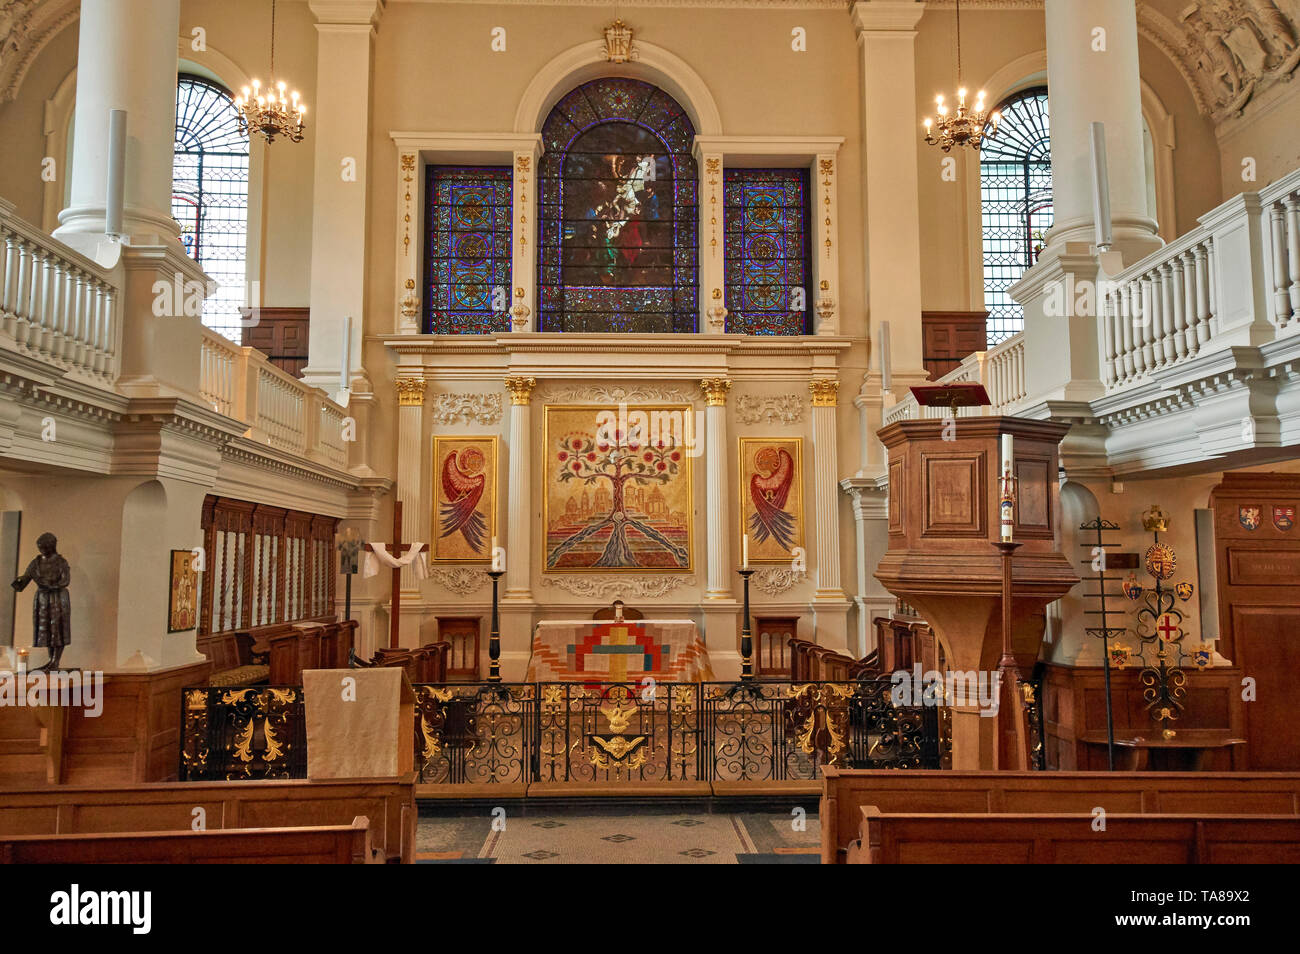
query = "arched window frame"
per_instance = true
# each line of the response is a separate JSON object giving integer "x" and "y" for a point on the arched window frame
{"x": 1022, "y": 187}
{"x": 208, "y": 132}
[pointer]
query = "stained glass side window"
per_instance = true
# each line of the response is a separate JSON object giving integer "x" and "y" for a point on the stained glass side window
{"x": 210, "y": 195}
{"x": 768, "y": 274}
{"x": 618, "y": 228}
{"x": 467, "y": 259}
{"x": 1015, "y": 203}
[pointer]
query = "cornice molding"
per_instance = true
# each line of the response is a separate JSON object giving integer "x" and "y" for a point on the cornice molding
{"x": 26, "y": 26}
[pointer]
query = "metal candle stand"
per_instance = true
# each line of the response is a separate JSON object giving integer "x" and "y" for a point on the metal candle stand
{"x": 1105, "y": 631}
{"x": 494, "y": 635}
{"x": 746, "y": 634}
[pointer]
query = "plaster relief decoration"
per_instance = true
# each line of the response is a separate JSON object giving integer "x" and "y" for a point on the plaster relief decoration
{"x": 771, "y": 497}
{"x": 775, "y": 580}
{"x": 462, "y": 580}
{"x": 465, "y": 497}
{"x": 605, "y": 587}
{"x": 617, "y": 396}
{"x": 618, "y": 43}
{"x": 618, "y": 488}
{"x": 483, "y": 409}
{"x": 1230, "y": 50}
{"x": 769, "y": 409}
{"x": 25, "y": 27}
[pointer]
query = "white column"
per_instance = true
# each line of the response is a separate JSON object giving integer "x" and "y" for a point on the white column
{"x": 345, "y": 31}
{"x": 870, "y": 522}
{"x": 124, "y": 62}
{"x": 718, "y": 510}
{"x": 523, "y": 264}
{"x": 826, "y": 493}
{"x": 826, "y": 256}
{"x": 713, "y": 310}
{"x": 519, "y": 513}
{"x": 410, "y": 458}
{"x": 1092, "y": 76}
{"x": 891, "y": 123}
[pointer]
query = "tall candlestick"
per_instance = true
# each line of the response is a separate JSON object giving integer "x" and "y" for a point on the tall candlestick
{"x": 1007, "y": 487}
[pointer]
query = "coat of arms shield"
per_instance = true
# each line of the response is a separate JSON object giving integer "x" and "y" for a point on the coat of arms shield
{"x": 1248, "y": 516}
{"x": 1283, "y": 517}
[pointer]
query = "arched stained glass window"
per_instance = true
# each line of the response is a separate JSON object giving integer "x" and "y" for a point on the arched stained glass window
{"x": 467, "y": 263}
{"x": 210, "y": 195}
{"x": 766, "y": 260}
{"x": 1016, "y": 204}
{"x": 618, "y": 229}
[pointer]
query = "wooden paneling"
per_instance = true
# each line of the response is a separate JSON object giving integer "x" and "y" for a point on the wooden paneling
{"x": 462, "y": 634}
{"x": 954, "y": 493}
{"x": 333, "y": 844}
{"x": 1259, "y": 610}
{"x": 282, "y": 335}
{"x": 1074, "y": 713}
{"x": 846, "y": 791}
{"x": 282, "y": 803}
{"x": 947, "y": 337}
{"x": 1072, "y": 839}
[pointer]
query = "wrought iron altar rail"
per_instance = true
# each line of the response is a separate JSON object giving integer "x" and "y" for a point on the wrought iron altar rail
{"x": 525, "y": 733}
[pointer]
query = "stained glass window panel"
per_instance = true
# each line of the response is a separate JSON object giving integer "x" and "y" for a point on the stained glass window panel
{"x": 618, "y": 233}
{"x": 1016, "y": 205}
{"x": 467, "y": 265}
{"x": 210, "y": 196}
{"x": 767, "y": 271}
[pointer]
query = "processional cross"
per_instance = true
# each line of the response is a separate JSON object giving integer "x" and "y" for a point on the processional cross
{"x": 397, "y": 549}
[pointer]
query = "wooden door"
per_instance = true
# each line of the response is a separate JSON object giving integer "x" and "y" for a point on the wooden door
{"x": 1257, "y": 551}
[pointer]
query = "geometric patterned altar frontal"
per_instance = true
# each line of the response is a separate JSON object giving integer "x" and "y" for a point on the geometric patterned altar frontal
{"x": 618, "y": 652}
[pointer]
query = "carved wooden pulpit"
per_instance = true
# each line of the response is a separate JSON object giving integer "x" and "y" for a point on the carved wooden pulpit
{"x": 943, "y": 524}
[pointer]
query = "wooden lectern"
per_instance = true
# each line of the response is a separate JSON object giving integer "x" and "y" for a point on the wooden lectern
{"x": 360, "y": 723}
{"x": 943, "y": 524}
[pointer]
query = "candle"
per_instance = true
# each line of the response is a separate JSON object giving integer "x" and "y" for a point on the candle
{"x": 498, "y": 557}
{"x": 744, "y": 552}
{"x": 1006, "y": 503}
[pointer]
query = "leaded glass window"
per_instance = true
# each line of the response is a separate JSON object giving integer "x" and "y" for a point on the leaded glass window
{"x": 766, "y": 258}
{"x": 210, "y": 196}
{"x": 1016, "y": 204}
{"x": 468, "y": 257}
{"x": 618, "y": 229}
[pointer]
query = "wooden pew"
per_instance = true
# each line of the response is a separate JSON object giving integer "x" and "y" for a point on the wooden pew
{"x": 169, "y": 806}
{"x": 1071, "y": 838}
{"x": 322, "y": 844}
{"x": 846, "y": 791}
{"x": 309, "y": 645}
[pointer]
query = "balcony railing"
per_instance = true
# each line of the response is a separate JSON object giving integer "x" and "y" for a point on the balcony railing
{"x": 56, "y": 305}
{"x": 1001, "y": 370}
{"x": 521, "y": 734}
{"x": 278, "y": 408}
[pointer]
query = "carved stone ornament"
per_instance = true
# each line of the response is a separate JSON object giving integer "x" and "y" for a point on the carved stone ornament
{"x": 467, "y": 409}
{"x": 715, "y": 391}
{"x": 618, "y": 43}
{"x": 775, "y": 580}
{"x": 462, "y": 580}
{"x": 605, "y": 395}
{"x": 1235, "y": 48}
{"x": 604, "y": 587}
{"x": 824, "y": 391}
{"x": 769, "y": 409}
{"x": 410, "y": 392}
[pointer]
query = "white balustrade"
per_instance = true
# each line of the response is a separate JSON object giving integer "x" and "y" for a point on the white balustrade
{"x": 55, "y": 304}
{"x": 1281, "y": 205}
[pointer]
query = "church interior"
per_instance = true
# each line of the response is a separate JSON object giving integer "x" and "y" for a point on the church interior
{"x": 808, "y": 431}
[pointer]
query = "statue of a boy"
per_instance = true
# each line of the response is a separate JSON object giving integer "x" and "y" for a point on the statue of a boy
{"x": 52, "y": 608}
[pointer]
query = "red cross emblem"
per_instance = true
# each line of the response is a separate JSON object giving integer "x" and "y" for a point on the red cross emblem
{"x": 1167, "y": 628}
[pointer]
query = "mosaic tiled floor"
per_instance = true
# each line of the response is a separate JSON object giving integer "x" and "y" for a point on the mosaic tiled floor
{"x": 625, "y": 836}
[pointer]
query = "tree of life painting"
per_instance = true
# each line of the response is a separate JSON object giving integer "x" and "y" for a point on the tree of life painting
{"x": 618, "y": 489}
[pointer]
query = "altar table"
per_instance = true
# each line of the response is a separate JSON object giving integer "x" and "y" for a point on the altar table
{"x": 668, "y": 650}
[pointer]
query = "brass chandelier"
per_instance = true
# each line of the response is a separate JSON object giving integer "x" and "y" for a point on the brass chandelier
{"x": 965, "y": 127}
{"x": 270, "y": 111}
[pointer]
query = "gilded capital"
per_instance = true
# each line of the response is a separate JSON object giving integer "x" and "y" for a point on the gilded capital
{"x": 521, "y": 390}
{"x": 715, "y": 391}
{"x": 410, "y": 392}
{"x": 824, "y": 391}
